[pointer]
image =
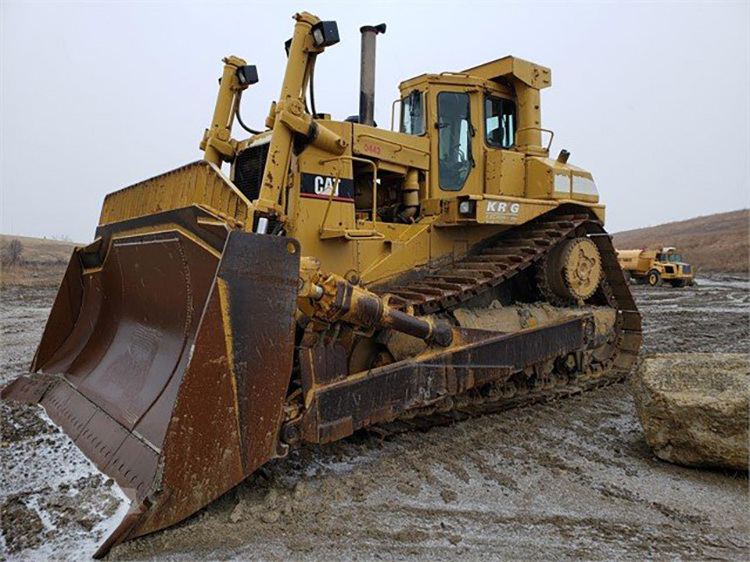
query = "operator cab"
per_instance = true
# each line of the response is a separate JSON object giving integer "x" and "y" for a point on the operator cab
{"x": 669, "y": 255}
{"x": 486, "y": 138}
{"x": 472, "y": 119}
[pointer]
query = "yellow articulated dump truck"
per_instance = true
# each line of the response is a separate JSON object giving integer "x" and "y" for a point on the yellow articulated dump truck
{"x": 656, "y": 267}
{"x": 319, "y": 277}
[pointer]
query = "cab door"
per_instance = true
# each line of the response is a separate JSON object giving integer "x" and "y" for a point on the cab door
{"x": 505, "y": 170}
{"x": 455, "y": 149}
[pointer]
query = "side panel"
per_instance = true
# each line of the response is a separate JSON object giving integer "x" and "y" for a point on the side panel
{"x": 505, "y": 173}
{"x": 312, "y": 214}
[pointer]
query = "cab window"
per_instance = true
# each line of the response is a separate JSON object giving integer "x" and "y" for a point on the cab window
{"x": 454, "y": 140}
{"x": 499, "y": 122}
{"x": 412, "y": 114}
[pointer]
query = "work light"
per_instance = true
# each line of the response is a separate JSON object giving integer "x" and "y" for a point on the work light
{"x": 466, "y": 207}
{"x": 325, "y": 33}
{"x": 247, "y": 75}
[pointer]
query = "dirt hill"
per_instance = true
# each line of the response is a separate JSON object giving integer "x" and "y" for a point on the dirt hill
{"x": 41, "y": 261}
{"x": 717, "y": 243}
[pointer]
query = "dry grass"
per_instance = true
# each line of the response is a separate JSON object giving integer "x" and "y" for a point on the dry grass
{"x": 717, "y": 243}
{"x": 43, "y": 262}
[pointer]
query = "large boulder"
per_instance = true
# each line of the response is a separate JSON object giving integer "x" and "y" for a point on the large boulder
{"x": 694, "y": 408}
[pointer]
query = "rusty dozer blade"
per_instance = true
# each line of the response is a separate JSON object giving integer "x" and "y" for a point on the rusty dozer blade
{"x": 168, "y": 366}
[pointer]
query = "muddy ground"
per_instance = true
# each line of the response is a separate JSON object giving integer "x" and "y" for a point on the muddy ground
{"x": 569, "y": 480}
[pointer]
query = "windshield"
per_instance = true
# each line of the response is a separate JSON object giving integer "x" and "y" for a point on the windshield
{"x": 671, "y": 257}
{"x": 412, "y": 114}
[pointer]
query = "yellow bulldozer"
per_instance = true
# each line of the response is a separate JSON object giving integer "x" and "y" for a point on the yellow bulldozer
{"x": 656, "y": 267}
{"x": 320, "y": 277}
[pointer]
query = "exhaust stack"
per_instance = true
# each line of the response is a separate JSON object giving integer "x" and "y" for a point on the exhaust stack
{"x": 367, "y": 74}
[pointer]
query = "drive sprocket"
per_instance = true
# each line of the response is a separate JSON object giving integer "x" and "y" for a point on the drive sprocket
{"x": 571, "y": 272}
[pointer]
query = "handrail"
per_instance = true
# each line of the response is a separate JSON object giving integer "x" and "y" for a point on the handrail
{"x": 374, "y": 179}
{"x": 543, "y": 130}
{"x": 330, "y": 200}
{"x": 393, "y": 111}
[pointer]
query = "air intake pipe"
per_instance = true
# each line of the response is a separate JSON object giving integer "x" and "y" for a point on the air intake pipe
{"x": 367, "y": 74}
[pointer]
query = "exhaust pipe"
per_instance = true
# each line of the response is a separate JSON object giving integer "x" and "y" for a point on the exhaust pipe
{"x": 367, "y": 74}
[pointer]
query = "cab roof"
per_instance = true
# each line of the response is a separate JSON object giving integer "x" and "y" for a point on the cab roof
{"x": 531, "y": 74}
{"x": 500, "y": 71}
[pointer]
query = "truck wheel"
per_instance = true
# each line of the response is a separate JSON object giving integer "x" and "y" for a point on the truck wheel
{"x": 654, "y": 278}
{"x": 678, "y": 283}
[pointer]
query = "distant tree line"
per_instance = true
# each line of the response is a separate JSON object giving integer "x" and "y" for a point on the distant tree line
{"x": 11, "y": 253}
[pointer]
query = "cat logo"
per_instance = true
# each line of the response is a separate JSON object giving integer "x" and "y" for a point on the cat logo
{"x": 324, "y": 185}
{"x": 327, "y": 187}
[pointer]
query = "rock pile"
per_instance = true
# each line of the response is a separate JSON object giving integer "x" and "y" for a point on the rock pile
{"x": 694, "y": 408}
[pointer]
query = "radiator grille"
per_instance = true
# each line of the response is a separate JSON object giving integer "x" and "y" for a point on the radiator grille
{"x": 248, "y": 170}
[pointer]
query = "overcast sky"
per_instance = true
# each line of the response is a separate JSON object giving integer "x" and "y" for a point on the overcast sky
{"x": 652, "y": 97}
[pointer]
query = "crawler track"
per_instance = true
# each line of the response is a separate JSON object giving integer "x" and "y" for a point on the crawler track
{"x": 514, "y": 251}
